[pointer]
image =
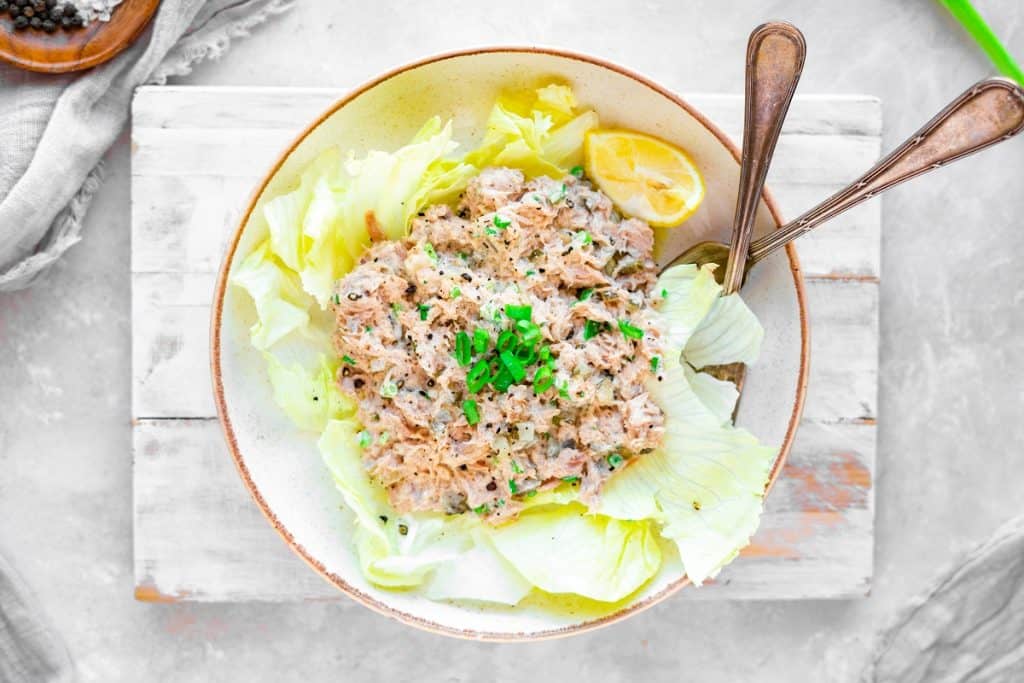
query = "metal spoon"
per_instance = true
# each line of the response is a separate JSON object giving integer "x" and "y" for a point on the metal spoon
{"x": 989, "y": 112}
{"x": 775, "y": 59}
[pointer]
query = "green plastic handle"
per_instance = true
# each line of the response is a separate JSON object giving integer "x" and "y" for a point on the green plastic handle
{"x": 964, "y": 12}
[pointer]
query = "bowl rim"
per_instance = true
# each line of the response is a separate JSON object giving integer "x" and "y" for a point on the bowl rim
{"x": 225, "y": 419}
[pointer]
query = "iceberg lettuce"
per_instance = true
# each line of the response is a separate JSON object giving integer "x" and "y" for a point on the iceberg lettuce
{"x": 281, "y": 305}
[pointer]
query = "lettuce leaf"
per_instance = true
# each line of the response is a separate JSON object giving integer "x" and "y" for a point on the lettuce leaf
{"x": 718, "y": 396}
{"x": 281, "y": 305}
{"x": 479, "y": 574}
{"x": 540, "y": 133}
{"x": 730, "y": 333}
{"x": 310, "y": 398}
{"x": 564, "y": 549}
{"x": 688, "y": 293}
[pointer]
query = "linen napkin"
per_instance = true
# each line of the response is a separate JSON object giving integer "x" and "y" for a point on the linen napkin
{"x": 968, "y": 626}
{"x": 53, "y": 133}
{"x": 55, "y": 129}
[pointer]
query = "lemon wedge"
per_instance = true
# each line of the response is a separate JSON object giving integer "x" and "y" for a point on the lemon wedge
{"x": 645, "y": 177}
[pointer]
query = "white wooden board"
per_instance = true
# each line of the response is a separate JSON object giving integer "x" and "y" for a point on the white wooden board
{"x": 197, "y": 153}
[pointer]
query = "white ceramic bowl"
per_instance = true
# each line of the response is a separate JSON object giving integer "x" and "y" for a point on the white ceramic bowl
{"x": 281, "y": 466}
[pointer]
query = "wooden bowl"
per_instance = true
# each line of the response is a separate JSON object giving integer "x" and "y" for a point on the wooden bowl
{"x": 281, "y": 466}
{"x": 77, "y": 49}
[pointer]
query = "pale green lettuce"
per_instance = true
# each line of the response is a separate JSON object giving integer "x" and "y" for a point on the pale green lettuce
{"x": 309, "y": 397}
{"x": 282, "y": 306}
{"x": 729, "y": 334}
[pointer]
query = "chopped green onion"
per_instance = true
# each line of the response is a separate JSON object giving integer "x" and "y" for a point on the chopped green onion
{"x": 584, "y": 237}
{"x": 530, "y": 272}
{"x": 428, "y": 249}
{"x": 664, "y": 293}
{"x": 519, "y": 312}
{"x": 463, "y": 255}
{"x": 424, "y": 309}
{"x": 545, "y": 353}
{"x": 396, "y": 307}
{"x": 490, "y": 231}
{"x": 480, "y": 340}
{"x": 654, "y": 363}
{"x": 512, "y": 486}
{"x": 506, "y": 340}
{"x": 348, "y": 359}
{"x": 365, "y": 439}
{"x": 369, "y": 328}
{"x": 536, "y": 198}
{"x": 576, "y": 171}
{"x": 455, "y": 293}
{"x": 463, "y": 350}
{"x": 480, "y": 509}
{"x": 531, "y": 494}
{"x": 383, "y": 438}
{"x": 478, "y": 377}
{"x": 630, "y": 331}
{"x": 570, "y": 480}
{"x": 336, "y": 299}
{"x": 530, "y": 331}
{"x": 513, "y": 365}
{"x": 471, "y": 412}
{"x": 516, "y": 468}
{"x": 501, "y": 502}
{"x": 502, "y": 380}
{"x": 563, "y": 390}
{"x": 614, "y": 460}
{"x": 542, "y": 380}
{"x": 501, "y": 223}
{"x": 591, "y": 330}
{"x": 388, "y": 389}
{"x": 585, "y": 294}
{"x": 525, "y": 354}
{"x": 558, "y": 195}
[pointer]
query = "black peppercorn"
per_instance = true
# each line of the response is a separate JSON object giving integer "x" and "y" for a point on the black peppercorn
{"x": 35, "y": 22}
{"x": 67, "y": 22}
{"x": 4, "y": 6}
{"x": 49, "y": 26}
{"x": 78, "y": 21}
{"x": 28, "y": 12}
{"x": 39, "y": 6}
{"x": 20, "y": 23}
{"x": 14, "y": 11}
{"x": 56, "y": 13}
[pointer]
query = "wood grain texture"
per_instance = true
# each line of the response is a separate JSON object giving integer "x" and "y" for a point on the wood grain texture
{"x": 77, "y": 49}
{"x": 198, "y": 153}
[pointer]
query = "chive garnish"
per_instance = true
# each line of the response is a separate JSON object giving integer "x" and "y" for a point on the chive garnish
{"x": 664, "y": 293}
{"x": 428, "y": 249}
{"x": 584, "y": 237}
{"x": 570, "y": 480}
{"x": 576, "y": 171}
{"x": 591, "y": 329}
{"x": 530, "y": 494}
{"x": 470, "y": 410}
{"x": 518, "y": 312}
{"x": 501, "y": 223}
{"x": 396, "y": 307}
{"x": 463, "y": 350}
{"x": 585, "y": 294}
{"x": 563, "y": 390}
{"x": 365, "y": 439}
{"x": 336, "y": 299}
{"x": 512, "y": 487}
{"x": 513, "y": 365}
{"x": 424, "y": 309}
{"x": 614, "y": 460}
{"x": 630, "y": 331}
{"x": 490, "y": 231}
{"x": 516, "y": 468}
{"x": 506, "y": 341}
{"x": 542, "y": 380}
{"x": 480, "y": 509}
{"x": 388, "y": 389}
{"x": 655, "y": 360}
{"x": 558, "y": 195}
{"x": 480, "y": 340}
{"x": 349, "y": 359}
{"x": 478, "y": 377}
{"x": 455, "y": 293}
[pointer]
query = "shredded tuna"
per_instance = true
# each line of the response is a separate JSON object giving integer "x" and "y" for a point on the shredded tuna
{"x": 557, "y": 246}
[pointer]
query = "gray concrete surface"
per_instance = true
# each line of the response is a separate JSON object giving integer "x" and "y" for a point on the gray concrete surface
{"x": 950, "y": 417}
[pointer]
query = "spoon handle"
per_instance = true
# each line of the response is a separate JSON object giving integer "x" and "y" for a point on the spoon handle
{"x": 989, "y": 112}
{"x": 775, "y": 59}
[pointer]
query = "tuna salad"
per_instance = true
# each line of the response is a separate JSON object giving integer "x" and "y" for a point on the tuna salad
{"x": 503, "y": 347}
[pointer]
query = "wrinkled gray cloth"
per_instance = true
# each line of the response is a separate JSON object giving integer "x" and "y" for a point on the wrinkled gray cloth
{"x": 53, "y": 133}
{"x": 968, "y": 627}
{"x": 55, "y": 129}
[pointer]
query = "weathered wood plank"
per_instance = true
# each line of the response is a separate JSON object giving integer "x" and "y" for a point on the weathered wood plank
{"x": 263, "y": 107}
{"x": 202, "y": 538}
